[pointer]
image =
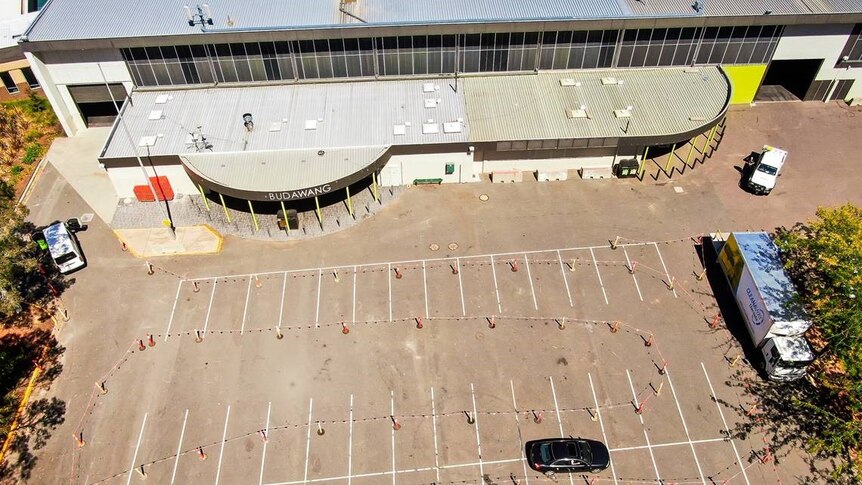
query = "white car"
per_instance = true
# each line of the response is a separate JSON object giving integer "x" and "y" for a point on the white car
{"x": 762, "y": 175}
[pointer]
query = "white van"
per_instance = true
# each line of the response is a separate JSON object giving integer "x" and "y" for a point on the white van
{"x": 763, "y": 174}
{"x": 64, "y": 248}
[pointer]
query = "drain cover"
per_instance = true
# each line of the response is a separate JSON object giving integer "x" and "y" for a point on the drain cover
{"x": 434, "y": 246}
{"x": 453, "y": 246}
{"x": 484, "y": 197}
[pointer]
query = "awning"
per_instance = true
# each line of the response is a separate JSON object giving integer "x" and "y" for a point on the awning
{"x": 283, "y": 175}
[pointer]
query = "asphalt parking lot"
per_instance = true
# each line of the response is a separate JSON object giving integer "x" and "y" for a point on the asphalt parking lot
{"x": 513, "y": 347}
{"x": 168, "y": 403}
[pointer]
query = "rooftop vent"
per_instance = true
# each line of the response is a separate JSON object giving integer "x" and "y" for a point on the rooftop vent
{"x": 399, "y": 130}
{"x": 569, "y": 82}
{"x": 580, "y": 112}
{"x": 155, "y": 115}
{"x": 428, "y": 87}
{"x": 430, "y": 128}
{"x": 147, "y": 141}
{"x": 623, "y": 113}
{"x": 162, "y": 98}
{"x": 310, "y": 124}
{"x": 432, "y": 103}
{"x": 275, "y": 126}
{"x": 452, "y": 127}
{"x": 248, "y": 122}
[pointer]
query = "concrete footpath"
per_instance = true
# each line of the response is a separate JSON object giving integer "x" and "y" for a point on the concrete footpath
{"x": 146, "y": 243}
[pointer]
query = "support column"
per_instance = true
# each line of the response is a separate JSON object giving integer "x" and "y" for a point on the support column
{"x": 709, "y": 141}
{"x": 319, "y": 214}
{"x": 374, "y": 187}
{"x": 349, "y": 202}
{"x": 670, "y": 159}
{"x": 253, "y": 216}
{"x": 206, "y": 202}
{"x": 690, "y": 150}
{"x": 643, "y": 162}
{"x": 224, "y": 207}
{"x": 286, "y": 223}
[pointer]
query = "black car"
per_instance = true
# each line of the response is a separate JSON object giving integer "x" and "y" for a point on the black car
{"x": 567, "y": 455}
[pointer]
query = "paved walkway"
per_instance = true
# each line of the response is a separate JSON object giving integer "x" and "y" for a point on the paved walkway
{"x": 150, "y": 242}
{"x": 76, "y": 158}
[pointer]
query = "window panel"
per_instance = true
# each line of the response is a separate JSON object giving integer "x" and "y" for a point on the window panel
{"x": 161, "y": 73}
{"x": 153, "y": 53}
{"x": 9, "y": 83}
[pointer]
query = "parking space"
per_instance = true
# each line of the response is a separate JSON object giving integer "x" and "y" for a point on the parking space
{"x": 453, "y": 401}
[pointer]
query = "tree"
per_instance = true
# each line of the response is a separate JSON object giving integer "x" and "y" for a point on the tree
{"x": 24, "y": 280}
{"x": 824, "y": 258}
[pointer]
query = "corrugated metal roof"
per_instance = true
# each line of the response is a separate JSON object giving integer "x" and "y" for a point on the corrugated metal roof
{"x": 345, "y": 114}
{"x": 664, "y": 101}
{"x": 277, "y": 171}
{"x": 458, "y": 11}
{"x": 110, "y": 19}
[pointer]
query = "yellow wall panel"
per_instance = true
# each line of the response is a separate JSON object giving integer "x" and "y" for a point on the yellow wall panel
{"x": 745, "y": 80}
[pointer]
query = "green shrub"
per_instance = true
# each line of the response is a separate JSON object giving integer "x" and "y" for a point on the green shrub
{"x": 34, "y": 151}
{"x": 16, "y": 170}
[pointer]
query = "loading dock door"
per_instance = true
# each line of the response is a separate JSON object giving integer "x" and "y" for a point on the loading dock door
{"x": 791, "y": 78}
{"x": 95, "y": 104}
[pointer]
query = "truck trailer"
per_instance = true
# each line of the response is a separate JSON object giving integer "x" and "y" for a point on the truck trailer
{"x": 768, "y": 302}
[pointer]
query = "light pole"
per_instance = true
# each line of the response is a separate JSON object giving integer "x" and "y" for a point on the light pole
{"x": 167, "y": 221}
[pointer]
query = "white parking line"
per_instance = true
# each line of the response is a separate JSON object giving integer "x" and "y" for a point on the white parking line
{"x": 265, "y": 442}
{"x": 559, "y": 419}
{"x": 685, "y": 426}
{"x": 389, "y": 275}
{"x": 434, "y": 426}
{"x": 496, "y": 289}
{"x": 476, "y": 424}
{"x": 281, "y": 308}
{"x": 530, "y": 278}
{"x": 307, "y": 441}
{"x": 425, "y": 285}
{"x": 664, "y": 445}
{"x": 173, "y": 310}
{"x": 518, "y": 425}
{"x": 460, "y": 287}
{"x": 354, "y": 294}
{"x": 602, "y": 424}
{"x": 179, "y": 447}
{"x": 417, "y": 261}
{"x": 665, "y": 268}
{"x": 409, "y": 470}
{"x": 637, "y": 286}
{"x": 317, "y": 311}
{"x": 556, "y": 407}
{"x": 640, "y": 416}
{"x": 596, "y": 265}
{"x": 350, "y": 444}
{"x": 565, "y": 280}
{"x": 209, "y": 308}
{"x": 223, "y": 441}
{"x": 245, "y": 308}
{"x": 137, "y": 447}
{"x": 392, "y": 413}
{"x": 726, "y": 429}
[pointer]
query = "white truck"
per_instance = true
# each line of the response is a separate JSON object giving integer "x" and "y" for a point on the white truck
{"x": 767, "y": 299}
{"x": 762, "y": 173}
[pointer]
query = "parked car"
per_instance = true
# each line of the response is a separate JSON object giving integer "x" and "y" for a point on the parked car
{"x": 761, "y": 174}
{"x": 567, "y": 455}
{"x": 62, "y": 244}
